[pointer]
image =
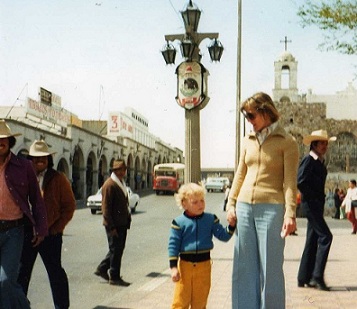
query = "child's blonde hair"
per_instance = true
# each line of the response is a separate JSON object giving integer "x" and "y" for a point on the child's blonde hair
{"x": 188, "y": 190}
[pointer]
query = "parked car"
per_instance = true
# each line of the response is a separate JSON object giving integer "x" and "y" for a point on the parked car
{"x": 215, "y": 184}
{"x": 94, "y": 202}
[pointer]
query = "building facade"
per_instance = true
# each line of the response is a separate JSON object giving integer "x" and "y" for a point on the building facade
{"x": 303, "y": 113}
{"x": 85, "y": 150}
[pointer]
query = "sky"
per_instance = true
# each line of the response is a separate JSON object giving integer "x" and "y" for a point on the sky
{"x": 104, "y": 55}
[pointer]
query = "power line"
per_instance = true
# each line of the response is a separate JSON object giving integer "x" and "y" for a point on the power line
{"x": 177, "y": 13}
{"x": 18, "y": 98}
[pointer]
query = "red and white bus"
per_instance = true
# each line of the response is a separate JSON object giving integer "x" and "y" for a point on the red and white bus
{"x": 168, "y": 177}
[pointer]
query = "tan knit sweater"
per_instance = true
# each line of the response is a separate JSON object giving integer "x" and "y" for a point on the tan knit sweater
{"x": 267, "y": 173}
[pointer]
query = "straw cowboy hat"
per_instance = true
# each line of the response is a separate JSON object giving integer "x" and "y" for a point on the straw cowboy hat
{"x": 319, "y": 135}
{"x": 5, "y": 130}
{"x": 117, "y": 164}
{"x": 39, "y": 149}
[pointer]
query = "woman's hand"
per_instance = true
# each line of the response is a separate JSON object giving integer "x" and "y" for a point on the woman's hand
{"x": 289, "y": 226}
{"x": 231, "y": 216}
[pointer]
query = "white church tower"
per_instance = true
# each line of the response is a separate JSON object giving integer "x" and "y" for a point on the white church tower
{"x": 285, "y": 69}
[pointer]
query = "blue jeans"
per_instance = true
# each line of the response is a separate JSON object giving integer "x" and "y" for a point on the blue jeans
{"x": 11, "y": 294}
{"x": 258, "y": 278}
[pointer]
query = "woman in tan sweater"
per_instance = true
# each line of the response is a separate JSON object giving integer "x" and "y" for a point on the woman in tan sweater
{"x": 263, "y": 199}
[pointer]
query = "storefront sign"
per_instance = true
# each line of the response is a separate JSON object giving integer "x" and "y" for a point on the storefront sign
{"x": 50, "y": 113}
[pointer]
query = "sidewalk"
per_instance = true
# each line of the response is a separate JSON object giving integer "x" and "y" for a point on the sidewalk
{"x": 340, "y": 275}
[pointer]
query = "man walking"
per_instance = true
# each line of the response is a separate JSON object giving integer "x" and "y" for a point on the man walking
{"x": 20, "y": 201}
{"x": 116, "y": 220}
{"x": 60, "y": 205}
{"x": 312, "y": 174}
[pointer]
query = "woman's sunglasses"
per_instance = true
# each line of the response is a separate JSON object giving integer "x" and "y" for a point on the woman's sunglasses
{"x": 251, "y": 116}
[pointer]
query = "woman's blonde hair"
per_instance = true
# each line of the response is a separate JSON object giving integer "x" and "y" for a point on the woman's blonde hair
{"x": 187, "y": 190}
{"x": 263, "y": 104}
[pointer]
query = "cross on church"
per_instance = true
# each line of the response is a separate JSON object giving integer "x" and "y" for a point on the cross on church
{"x": 286, "y": 41}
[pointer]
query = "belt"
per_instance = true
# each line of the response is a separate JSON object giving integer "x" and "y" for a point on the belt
{"x": 9, "y": 224}
{"x": 195, "y": 257}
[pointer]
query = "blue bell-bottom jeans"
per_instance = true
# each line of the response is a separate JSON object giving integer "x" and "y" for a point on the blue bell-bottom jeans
{"x": 258, "y": 278}
{"x": 11, "y": 293}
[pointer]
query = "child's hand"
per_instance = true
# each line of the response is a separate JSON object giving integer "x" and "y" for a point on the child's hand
{"x": 175, "y": 275}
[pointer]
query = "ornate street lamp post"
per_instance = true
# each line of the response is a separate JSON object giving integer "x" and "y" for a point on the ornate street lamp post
{"x": 192, "y": 83}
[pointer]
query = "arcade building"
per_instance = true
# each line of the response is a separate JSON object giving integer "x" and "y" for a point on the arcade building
{"x": 84, "y": 149}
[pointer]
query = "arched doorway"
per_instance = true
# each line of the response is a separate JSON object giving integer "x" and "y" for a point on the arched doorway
{"x": 149, "y": 172}
{"x": 103, "y": 171}
{"x": 144, "y": 182}
{"x": 137, "y": 174}
{"x": 63, "y": 167}
{"x": 90, "y": 181}
{"x": 129, "y": 172}
{"x": 78, "y": 173}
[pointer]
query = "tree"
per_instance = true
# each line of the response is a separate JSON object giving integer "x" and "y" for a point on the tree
{"x": 338, "y": 21}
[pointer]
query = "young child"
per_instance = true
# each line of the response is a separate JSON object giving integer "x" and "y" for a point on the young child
{"x": 190, "y": 243}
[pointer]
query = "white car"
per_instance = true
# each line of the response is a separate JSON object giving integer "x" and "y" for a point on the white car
{"x": 215, "y": 184}
{"x": 94, "y": 202}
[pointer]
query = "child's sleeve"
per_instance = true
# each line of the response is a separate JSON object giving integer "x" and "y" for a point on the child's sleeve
{"x": 220, "y": 232}
{"x": 174, "y": 243}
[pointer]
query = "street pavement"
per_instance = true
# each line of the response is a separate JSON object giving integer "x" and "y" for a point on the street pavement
{"x": 340, "y": 275}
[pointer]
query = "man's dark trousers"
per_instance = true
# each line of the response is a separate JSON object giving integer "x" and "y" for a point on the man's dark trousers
{"x": 112, "y": 260}
{"x": 50, "y": 251}
{"x": 318, "y": 243}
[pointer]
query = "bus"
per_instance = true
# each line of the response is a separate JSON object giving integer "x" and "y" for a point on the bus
{"x": 168, "y": 177}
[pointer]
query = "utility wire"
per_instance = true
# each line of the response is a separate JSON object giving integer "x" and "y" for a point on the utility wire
{"x": 177, "y": 13}
{"x": 101, "y": 109}
{"x": 18, "y": 98}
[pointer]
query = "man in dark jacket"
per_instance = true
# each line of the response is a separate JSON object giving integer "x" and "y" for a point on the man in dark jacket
{"x": 18, "y": 190}
{"x": 311, "y": 183}
{"x": 116, "y": 220}
{"x": 60, "y": 205}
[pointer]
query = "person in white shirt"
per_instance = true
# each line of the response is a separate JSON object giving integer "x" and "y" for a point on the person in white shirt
{"x": 226, "y": 195}
{"x": 349, "y": 204}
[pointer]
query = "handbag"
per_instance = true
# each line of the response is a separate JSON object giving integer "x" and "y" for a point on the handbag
{"x": 354, "y": 203}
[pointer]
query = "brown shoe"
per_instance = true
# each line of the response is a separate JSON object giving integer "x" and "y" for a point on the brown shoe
{"x": 119, "y": 282}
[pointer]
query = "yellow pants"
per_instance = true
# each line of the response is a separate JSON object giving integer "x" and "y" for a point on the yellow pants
{"x": 192, "y": 290}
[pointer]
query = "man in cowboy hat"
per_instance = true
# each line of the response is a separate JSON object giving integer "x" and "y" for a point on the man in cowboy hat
{"x": 60, "y": 205}
{"x": 116, "y": 219}
{"x": 312, "y": 174}
{"x": 18, "y": 190}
